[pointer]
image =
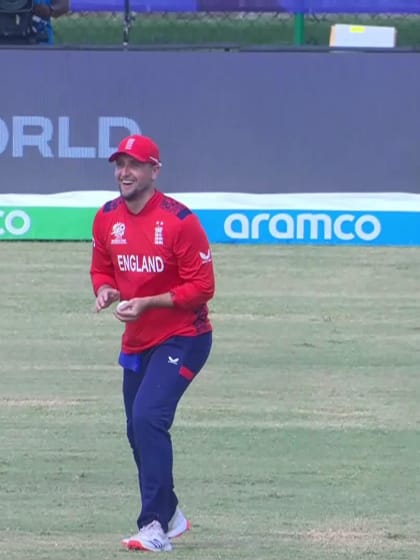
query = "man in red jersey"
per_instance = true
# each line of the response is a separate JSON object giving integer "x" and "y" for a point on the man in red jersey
{"x": 151, "y": 254}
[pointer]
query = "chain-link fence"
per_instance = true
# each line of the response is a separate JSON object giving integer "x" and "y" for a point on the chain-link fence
{"x": 220, "y": 30}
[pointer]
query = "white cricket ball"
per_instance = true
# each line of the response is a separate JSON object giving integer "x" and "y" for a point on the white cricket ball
{"x": 121, "y": 305}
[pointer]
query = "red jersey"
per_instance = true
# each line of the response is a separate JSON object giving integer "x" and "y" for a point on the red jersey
{"x": 162, "y": 249}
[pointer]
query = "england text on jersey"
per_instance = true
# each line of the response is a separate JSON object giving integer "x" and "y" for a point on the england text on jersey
{"x": 140, "y": 263}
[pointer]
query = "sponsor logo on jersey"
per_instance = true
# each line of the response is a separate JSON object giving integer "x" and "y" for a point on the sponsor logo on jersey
{"x": 205, "y": 257}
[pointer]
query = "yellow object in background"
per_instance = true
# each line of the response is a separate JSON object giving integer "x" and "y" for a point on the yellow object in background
{"x": 357, "y": 28}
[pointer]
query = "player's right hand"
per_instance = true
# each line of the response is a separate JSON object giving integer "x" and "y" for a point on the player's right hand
{"x": 106, "y": 296}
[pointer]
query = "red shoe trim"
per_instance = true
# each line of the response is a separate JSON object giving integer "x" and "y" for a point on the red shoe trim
{"x": 136, "y": 545}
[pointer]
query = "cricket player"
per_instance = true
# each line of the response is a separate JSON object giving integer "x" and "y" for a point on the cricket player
{"x": 151, "y": 254}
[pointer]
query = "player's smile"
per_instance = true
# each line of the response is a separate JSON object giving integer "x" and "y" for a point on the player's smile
{"x": 127, "y": 182}
{"x": 127, "y": 186}
{"x": 134, "y": 178}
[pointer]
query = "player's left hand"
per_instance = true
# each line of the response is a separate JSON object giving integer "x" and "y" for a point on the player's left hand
{"x": 131, "y": 310}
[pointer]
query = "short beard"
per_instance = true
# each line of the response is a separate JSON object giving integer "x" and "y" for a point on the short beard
{"x": 130, "y": 196}
{"x": 136, "y": 194}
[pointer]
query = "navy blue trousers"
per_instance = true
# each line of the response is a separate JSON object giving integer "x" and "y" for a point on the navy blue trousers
{"x": 152, "y": 389}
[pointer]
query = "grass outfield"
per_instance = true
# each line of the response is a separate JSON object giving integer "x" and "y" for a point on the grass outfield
{"x": 191, "y": 29}
{"x": 299, "y": 440}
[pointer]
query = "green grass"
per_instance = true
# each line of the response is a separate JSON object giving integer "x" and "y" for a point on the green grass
{"x": 169, "y": 29}
{"x": 275, "y": 30}
{"x": 299, "y": 440}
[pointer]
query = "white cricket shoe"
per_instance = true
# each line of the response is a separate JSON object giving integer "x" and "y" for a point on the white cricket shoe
{"x": 178, "y": 524}
{"x": 150, "y": 538}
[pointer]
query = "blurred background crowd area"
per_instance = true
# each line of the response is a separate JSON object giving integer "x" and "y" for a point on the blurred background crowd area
{"x": 217, "y": 29}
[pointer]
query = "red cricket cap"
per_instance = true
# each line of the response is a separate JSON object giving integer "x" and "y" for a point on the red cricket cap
{"x": 138, "y": 147}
